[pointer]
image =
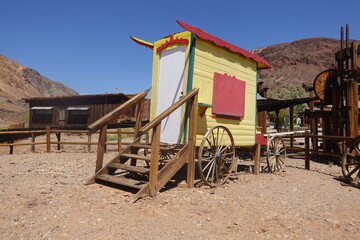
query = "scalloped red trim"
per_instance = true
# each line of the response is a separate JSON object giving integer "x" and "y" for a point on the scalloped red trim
{"x": 172, "y": 41}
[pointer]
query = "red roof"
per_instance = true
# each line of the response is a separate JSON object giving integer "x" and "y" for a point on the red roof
{"x": 221, "y": 43}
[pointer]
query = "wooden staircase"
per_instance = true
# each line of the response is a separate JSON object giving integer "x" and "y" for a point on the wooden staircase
{"x": 147, "y": 167}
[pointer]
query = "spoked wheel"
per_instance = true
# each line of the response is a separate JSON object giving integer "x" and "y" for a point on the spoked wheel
{"x": 350, "y": 163}
{"x": 276, "y": 155}
{"x": 216, "y": 156}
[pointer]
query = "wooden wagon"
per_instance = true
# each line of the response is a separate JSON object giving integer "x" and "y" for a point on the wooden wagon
{"x": 203, "y": 107}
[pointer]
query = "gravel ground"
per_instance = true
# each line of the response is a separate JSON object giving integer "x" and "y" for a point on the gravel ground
{"x": 43, "y": 196}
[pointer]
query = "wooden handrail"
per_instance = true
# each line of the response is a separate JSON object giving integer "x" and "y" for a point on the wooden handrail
{"x": 168, "y": 111}
{"x": 114, "y": 113}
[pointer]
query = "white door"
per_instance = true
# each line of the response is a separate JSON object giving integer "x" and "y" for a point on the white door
{"x": 171, "y": 78}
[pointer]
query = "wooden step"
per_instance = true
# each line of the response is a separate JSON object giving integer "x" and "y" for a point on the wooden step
{"x": 144, "y": 146}
{"x": 129, "y": 155}
{"x": 121, "y": 181}
{"x": 129, "y": 168}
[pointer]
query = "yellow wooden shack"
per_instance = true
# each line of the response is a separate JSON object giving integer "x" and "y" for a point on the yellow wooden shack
{"x": 225, "y": 74}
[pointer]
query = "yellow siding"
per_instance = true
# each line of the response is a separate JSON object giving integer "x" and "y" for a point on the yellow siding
{"x": 209, "y": 59}
{"x": 155, "y": 68}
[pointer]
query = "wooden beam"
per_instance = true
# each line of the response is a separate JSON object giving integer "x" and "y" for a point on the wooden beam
{"x": 33, "y": 141}
{"x": 115, "y": 113}
{"x": 168, "y": 111}
{"x": 154, "y": 162}
{"x": 101, "y": 149}
{"x": 192, "y": 141}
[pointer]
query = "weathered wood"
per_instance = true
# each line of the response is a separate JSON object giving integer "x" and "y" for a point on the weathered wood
{"x": 116, "y": 158}
{"x": 257, "y": 160}
{"x": 33, "y": 141}
{"x": 129, "y": 168}
{"x": 115, "y": 113}
{"x": 129, "y": 155}
{"x": 119, "y": 140}
{"x": 192, "y": 141}
{"x": 121, "y": 181}
{"x": 48, "y": 139}
{"x": 101, "y": 149}
{"x": 154, "y": 163}
{"x": 168, "y": 171}
{"x": 307, "y": 153}
{"x": 58, "y": 136}
{"x": 168, "y": 111}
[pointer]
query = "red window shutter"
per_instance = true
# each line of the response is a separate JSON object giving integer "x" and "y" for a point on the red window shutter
{"x": 228, "y": 97}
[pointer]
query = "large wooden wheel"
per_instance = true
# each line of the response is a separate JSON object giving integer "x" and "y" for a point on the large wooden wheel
{"x": 216, "y": 156}
{"x": 350, "y": 163}
{"x": 276, "y": 154}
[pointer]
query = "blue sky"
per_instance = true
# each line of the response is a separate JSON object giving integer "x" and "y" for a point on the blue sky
{"x": 85, "y": 44}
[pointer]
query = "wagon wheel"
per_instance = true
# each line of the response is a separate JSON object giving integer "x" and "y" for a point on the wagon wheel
{"x": 276, "y": 155}
{"x": 350, "y": 163}
{"x": 216, "y": 156}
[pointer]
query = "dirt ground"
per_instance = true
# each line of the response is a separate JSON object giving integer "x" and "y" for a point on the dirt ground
{"x": 43, "y": 196}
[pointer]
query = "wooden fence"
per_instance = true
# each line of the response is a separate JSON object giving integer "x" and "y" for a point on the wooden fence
{"x": 311, "y": 145}
{"x": 48, "y": 142}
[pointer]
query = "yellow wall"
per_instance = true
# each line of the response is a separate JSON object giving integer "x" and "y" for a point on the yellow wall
{"x": 209, "y": 59}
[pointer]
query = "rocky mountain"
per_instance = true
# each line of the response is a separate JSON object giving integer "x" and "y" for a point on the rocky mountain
{"x": 17, "y": 82}
{"x": 297, "y": 62}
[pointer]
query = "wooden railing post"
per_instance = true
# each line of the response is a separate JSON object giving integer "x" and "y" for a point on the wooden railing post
{"x": 58, "y": 135}
{"x": 48, "y": 139}
{"x": 307, "y": 150}
{"x": 192, "y": 141}
{"x": 101, "y": 148}
{"x": 154, "y": 162}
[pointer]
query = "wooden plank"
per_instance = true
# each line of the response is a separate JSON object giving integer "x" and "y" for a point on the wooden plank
{"x": 130, "y": 168}
{"x": 121, "y": 181}
{"x": 154, "y": 163}
{"x": 168, "y": 111}
{"x": 115, "y": 113}
{"x": 140, "y": 157}
{"x": 192, "y": 142}
{"x": 101, "y": 149}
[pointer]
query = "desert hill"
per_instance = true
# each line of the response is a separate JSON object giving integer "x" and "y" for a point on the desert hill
{"x": 17, "y": 82}
{"x": 297, "y": 62}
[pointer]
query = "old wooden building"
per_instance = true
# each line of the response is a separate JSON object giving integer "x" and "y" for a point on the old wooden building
{"x": 73, "y": 111}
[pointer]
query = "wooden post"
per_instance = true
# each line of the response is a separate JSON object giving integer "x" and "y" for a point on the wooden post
{"x": 89, "y": 141}
{"x": 291, "y": 124}
{"x": 119, "y": 139}
{"x": 33, "y": 140}
{"x": 58, "y": 135}
{"x": 11, "y": 147}
{"x": 307, "y": 152}
{"x": 257, "y": 160}
{"x": 48, "y": 139}
{"x": 138, "y": 117}
{"x": 101, "y": 148}
{"x": 192, "y": 141}
{"x": 154, "y": 162}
